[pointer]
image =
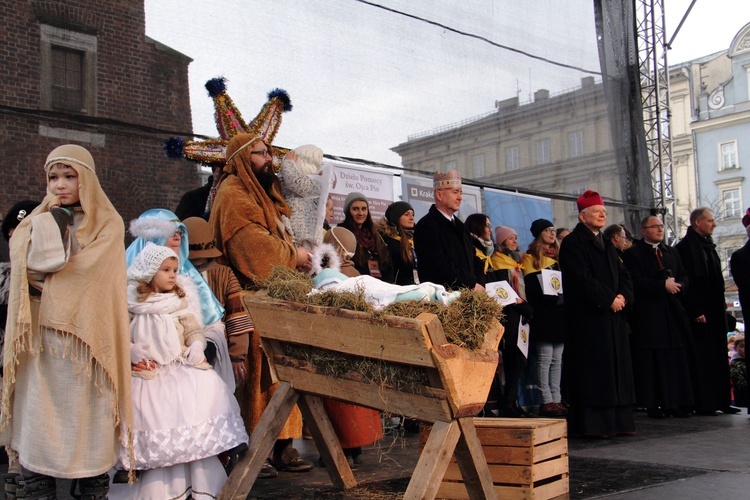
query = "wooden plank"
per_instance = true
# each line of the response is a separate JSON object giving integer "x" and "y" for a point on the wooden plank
{"x": 240, "y": 481}
{"x": 433, "y": 460}
{"x": 471, "y": 462}
{"x": 420, "y": 407}
{"x": 270, "y": 348}
{"x": 494, "y": 335}
{"x": 522, "y": 455}
{"x": 549, "y": 450}
{"x": 512, "y": 455}
{"x": 513, "y": 432}
{"x": 517, "y": 455}
{"x": 433, "y": 329}
{"x": 466, "y": 375}
{"x": 395, "y": 339}
{"x": 326, "y": 441}
{"x": 549, "y": 468}
{"x": 556, "y": 489}
{"x": 501, "y": 473}
{"x": 516, "y": 474}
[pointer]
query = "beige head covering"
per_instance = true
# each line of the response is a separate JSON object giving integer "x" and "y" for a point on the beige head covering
{"x": 234, "y": 195}
{"x": 86, "y": 299}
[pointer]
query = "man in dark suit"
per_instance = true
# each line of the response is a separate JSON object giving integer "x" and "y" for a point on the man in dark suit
{"x": 597, "y": 371}
{"x": 445, "y": 254}
{"x": 707, "y": 311}
{"x": 660, "y": 339}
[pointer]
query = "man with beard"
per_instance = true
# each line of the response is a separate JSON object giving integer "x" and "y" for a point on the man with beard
{"x": 660, "y": 339}
{"x": 707, "y": 311}
{"x": 250, "y": 221}
{"x": 596, "y": 364}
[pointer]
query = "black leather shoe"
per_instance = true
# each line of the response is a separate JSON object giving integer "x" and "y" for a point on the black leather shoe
{"x": 730, "y": 410}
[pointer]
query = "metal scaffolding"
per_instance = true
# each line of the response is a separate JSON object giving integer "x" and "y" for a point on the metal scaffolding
{"x": 654, "y": 75}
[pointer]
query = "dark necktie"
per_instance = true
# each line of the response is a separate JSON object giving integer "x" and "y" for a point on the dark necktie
{"x": 658, "y": 257}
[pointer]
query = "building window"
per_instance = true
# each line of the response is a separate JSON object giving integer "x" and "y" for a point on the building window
{"x": 732, "y": 203}
{"x": 542, "y": 152}
{"x": 512, "y": 158}
{"x": 477, "y": 163}
{"x": 575, "y": 144}
{"x": 728, "y": 155}
{"x": 67, "y": 78}
{"x": 68, "y": 72}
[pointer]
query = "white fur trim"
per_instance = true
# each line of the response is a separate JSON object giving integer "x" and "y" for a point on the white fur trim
{"x": 325, "y": 251}
{"x": 150, "y": 228}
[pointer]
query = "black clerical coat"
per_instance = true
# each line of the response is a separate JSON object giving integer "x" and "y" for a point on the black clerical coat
{"x": 660, "y": 333}
{"x": 596, "y": 365}
{"x": 705, "y": 297}
{"x": 658, "y": 318}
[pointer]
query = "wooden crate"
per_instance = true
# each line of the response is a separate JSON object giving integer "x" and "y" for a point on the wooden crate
{"x": 528, "y": 458}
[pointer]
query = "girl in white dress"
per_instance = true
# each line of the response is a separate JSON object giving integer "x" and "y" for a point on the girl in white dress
{"x": 184, "y": 414}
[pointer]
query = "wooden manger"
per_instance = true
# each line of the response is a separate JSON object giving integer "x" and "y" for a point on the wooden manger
{"x": 458, "y": 383}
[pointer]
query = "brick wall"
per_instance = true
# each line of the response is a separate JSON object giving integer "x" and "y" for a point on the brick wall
{"x": 140, "y": 84}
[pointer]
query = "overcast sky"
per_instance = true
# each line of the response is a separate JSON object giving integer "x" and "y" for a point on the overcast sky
{"x": 362, "y": 79}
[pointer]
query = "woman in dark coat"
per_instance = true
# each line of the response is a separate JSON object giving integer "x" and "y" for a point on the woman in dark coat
{"x": 398, "y": 233}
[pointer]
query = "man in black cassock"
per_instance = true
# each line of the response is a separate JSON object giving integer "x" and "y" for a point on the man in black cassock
{"x": 659, "y": 338}
{"x": 707, "y": 311}
{"x": 597, "y": 371}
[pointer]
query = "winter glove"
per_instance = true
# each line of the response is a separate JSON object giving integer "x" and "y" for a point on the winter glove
{"x": 63, "y": 217}
{"x": 137, "y": 353}
{"x": 194, "y": 352}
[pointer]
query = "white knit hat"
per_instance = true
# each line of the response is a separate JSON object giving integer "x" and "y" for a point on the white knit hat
{"x": 148, "y": 261}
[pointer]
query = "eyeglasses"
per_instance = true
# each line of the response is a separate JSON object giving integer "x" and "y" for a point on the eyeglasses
{"x": 179, "y": 232}
{"x": 261, "y": 152}
{"x": 655, "y": 226}
{"x": 550, "y": 230}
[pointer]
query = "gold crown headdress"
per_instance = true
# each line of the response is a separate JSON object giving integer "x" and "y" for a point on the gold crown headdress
{"x": 448, "y": 179}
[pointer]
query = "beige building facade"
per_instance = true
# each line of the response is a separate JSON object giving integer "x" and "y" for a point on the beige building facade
{"x": 558, "y": 146}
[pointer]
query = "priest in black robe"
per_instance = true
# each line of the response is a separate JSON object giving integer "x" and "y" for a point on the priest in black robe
{"x": 660, "y": 337}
